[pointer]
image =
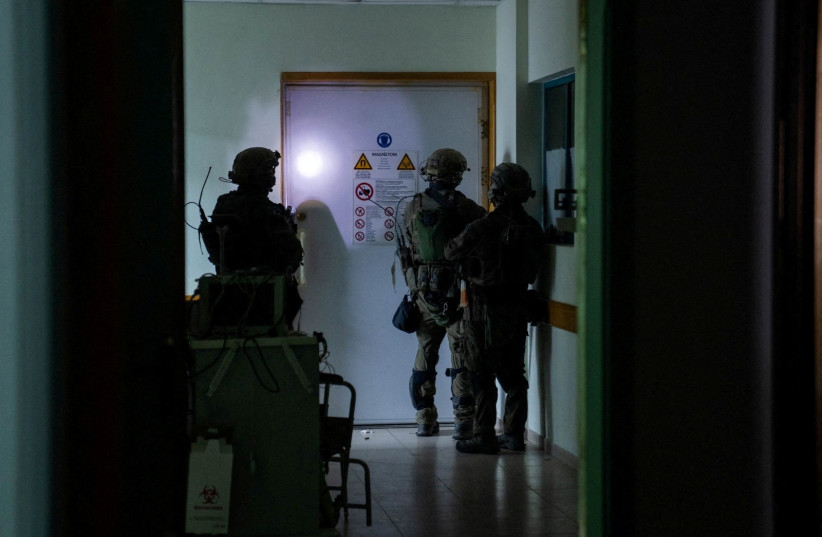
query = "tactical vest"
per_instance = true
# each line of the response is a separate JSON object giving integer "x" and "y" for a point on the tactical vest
{"x": 434, "y": 276}
{"x": 257, "y": 234}
{"x": 508, "y": 254}
{"x": 431, "y": 228}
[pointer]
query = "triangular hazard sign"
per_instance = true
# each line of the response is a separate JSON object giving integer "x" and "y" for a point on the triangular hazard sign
{"x": 363, "y": 163}
{"x": 406, "y": 164}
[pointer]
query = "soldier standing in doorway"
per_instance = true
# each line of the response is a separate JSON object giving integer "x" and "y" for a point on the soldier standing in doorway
{"x": 500, "y": 255}
{"x": 431, "y": 218}
{"x": 249, "y": 232}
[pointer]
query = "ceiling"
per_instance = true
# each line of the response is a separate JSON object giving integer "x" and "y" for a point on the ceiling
{"x": 383, "y": 2}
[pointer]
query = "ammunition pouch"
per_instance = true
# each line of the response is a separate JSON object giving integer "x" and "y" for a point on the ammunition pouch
{"x": 443, "y": 310}
{"x": 437, "y": 279}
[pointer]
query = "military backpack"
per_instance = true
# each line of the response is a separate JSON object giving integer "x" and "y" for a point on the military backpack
{"x": 433, "y": 227}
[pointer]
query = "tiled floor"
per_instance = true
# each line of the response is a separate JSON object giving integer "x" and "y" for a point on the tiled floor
{"x": 423, "y": 487}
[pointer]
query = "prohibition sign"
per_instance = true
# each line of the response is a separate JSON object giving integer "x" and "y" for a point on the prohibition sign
{"x": 389, "y": 211}
{"x": 359, "y": 211}
{"x": 389, "y": 236}
{"x": 389, "y": 224}
{"x": 364, "y": 191}
{"x": 360, "y": 223}
{"x": 359, "y": 235}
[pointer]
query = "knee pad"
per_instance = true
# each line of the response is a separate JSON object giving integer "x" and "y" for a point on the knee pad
{"x": 464, "y": 400}
{"x": 421, "y": 387}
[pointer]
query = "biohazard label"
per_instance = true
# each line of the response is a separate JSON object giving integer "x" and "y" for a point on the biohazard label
{"x": 362, "y": 163}
{"x": 406, "y": 164}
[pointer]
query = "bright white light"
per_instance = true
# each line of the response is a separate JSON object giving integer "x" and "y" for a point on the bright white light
{"x": 309, "y": 163}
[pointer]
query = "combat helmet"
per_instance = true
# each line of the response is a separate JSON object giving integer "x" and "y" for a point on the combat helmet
{"x": 255, "y": 167}
{"x": 444, "y": 165}
{"x": 510, "y": 182}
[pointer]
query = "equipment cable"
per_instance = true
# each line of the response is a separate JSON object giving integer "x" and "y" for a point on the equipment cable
{"x": 276, "y": 388}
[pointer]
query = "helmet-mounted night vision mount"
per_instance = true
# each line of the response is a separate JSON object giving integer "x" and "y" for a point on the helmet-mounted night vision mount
{"x": 255, "y": 166}
{"x": 445, "y": 165}
{"x": 510, "y": 182}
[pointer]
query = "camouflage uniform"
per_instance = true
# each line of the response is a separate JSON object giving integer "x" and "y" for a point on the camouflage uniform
{"x": 500, "y": 254}
{"x": 436, "y": 289}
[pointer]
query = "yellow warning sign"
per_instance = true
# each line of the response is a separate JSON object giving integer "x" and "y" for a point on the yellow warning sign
{"x": 406, "y": 164}
{"x": 363, "y": 163}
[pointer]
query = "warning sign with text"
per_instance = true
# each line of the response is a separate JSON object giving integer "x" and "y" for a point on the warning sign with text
{"x": 384, "y": 181}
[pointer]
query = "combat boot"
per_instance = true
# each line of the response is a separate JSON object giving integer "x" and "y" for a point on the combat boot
{"x": 479, "y": 444}
{"x": 428, "y": 429}
{"x": 427, "y": 424}
{"x": 463, "y": 429}
{"x": 514, "y": 442}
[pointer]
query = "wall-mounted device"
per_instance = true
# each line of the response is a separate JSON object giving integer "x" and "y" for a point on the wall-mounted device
{"x": 559, "y": 219}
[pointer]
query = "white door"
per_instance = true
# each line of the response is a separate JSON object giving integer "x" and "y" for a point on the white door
{"x": 351, "y": 152}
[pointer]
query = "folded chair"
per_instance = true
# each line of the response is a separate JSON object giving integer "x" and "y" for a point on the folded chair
{"x": 335, "y": 440}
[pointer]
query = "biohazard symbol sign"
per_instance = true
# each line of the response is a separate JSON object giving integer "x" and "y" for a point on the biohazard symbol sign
{"x": 405, "y": 163}
{"x": 209, "y": 495}
{"x": 363, "y": 163}
{"x": 364, "y": 191}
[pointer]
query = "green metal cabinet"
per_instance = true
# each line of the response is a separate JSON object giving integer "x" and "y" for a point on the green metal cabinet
{"x": 262, "y": 394}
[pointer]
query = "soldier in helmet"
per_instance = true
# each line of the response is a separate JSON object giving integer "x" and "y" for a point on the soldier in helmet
{"x": 248, "y": 231}
{"x": 501, "y": 255}
{"x": 431, "y": 218}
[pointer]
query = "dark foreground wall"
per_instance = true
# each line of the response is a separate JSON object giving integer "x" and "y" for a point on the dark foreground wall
{"x": 119, "y": 401}
{"x": 708, "y": 386}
